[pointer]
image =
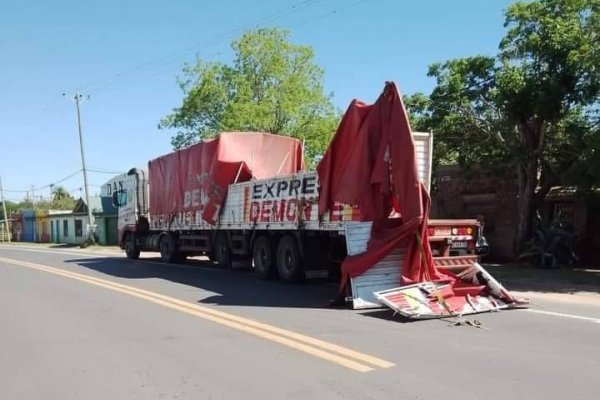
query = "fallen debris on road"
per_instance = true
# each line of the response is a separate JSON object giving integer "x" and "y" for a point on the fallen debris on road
{"x": 471, "y": 291}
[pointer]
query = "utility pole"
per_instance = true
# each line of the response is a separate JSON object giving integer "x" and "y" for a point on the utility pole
{"x": 77, "y": 98}
{"x": 4, "y": 209}
{"x": 33, "y": 207}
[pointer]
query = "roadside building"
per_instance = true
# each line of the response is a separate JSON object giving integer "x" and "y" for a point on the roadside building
{"x": 71, "y": 227}
{"x": 42, "y": 226}
{"x": 28, "y": 226}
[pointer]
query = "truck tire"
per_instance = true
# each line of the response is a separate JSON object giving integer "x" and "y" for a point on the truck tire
{"x": 289, "y": 262}
{"x": 131, "y": 248}
{"x": 222, "y": 251}
{"x": 167, "y": 248}
{"x": 263, "y": 258}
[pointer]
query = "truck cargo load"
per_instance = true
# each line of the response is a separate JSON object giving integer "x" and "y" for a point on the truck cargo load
{"x": 245, "y": 196}
{"x": 371, "y": 162}
{"x": 197, "y": 178}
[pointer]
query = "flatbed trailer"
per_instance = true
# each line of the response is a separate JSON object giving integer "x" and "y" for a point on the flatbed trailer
{"x": 247, "y": 196}
{"x": 273, "y": 223}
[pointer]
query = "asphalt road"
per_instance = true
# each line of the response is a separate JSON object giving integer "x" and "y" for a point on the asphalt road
{"x": 76, "y": 325}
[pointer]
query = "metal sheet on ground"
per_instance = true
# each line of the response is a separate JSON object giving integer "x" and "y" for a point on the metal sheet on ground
{"x": 420, "y": 301}
{"x": 386, "y": 274}
{"x": 426, "y": 300}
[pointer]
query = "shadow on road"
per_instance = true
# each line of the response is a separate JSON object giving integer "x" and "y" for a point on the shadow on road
{"x": 235, "y": 287}
{"x": 239, "y": 287}
{"x": 387, "y": 315}
{"x": 526, "y": 278}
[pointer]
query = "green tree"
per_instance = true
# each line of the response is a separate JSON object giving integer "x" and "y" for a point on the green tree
{"x": 529, "y": 106}
{"x": 10, "y": 208}
{"x": 59, "y": 193}
{"x": 272, "y": 86}
{"x": 61, "y": 199}
{"x": 418, "y": 106}
{"x": 25, "y": 204}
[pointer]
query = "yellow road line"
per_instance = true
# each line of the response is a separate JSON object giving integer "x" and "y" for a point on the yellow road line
{"x": 325, "y": 350}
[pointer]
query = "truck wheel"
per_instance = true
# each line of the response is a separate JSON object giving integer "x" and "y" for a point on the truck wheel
{"x": 131, "y": 248}
{"x": 264, "y": 258}
{"x": 167, "y": 248}
{"x": 222, "y": 252}
{"x": 289, "y": 263}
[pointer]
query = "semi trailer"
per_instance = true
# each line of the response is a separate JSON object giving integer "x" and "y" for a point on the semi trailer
{"x": 247, "y": 196}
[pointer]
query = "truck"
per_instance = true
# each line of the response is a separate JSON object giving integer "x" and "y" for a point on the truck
{"x": 246, "y": 196}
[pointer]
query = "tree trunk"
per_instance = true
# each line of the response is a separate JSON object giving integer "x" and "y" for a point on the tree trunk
{"x": 528, "y": 180}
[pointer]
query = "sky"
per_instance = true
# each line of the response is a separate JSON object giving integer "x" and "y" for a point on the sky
{"x": 123, "y": 57}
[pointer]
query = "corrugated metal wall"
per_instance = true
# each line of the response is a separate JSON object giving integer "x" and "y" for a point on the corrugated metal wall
{"x": 28, "y": 233}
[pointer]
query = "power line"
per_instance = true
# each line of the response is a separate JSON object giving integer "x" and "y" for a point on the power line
{"x": 160, "y": 62}
{"x": 63, "y": 179}
{"x": 103, "y": 171}
{"x": 45, "y": 186}
{"x": 176, "y": 56}
{"x": 111, "y": 82}
{"x": 329, "y": 13}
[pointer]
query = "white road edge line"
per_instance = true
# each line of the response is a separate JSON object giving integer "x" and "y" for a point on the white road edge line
{"x": 557, "y": 314}
{"x": 83, "y": 253}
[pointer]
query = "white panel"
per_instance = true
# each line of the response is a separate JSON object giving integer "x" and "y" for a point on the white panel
{"x": 239, "y": 203}
{"x": 386, "y": 274}
{"x": 423, "y": 149}
{"x": 357, "y": 237}
{"x": 363, "y": 296}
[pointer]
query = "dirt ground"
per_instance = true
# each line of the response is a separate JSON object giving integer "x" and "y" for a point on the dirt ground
{"x": 564, "y": 285}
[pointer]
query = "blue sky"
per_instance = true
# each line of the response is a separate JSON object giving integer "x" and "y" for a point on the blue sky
{"x": 126, "y": 55}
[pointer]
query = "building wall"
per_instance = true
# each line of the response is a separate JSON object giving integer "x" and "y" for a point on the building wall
{"x": 17, "y": 228}
{"x": 28, "y": 225}
{"x": 42, "y": 226}
{"x": 468, "y": 194}
{"x": 591, "y": 244}
{"x": 476, "y": 193}
{"x": 112, "y": 235}
{"x": 71, "y": 236}
{"x": 106, "y": 229}
{"x": 100, "y": 223}
{"x": 5, "y": 232}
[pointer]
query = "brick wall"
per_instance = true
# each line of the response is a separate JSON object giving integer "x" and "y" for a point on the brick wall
{"x": 473, "y": 193}
{"x": 470, "y": 193}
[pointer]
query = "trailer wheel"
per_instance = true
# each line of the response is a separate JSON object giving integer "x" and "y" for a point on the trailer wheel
{"x": 131, "y": 248}
{"x": 263, "y": 257}
{"x": 289, "y": 263}
{"x": 222, "y": 251}
{"x": 167, "y": 248}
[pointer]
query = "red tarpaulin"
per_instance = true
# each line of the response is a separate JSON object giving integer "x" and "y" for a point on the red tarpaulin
{"x": 194, "y": 180}
{"x": 371, "y": 162}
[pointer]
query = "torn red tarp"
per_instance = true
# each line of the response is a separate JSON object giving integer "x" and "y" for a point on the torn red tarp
{"x": 371, "y": 162}
{"x": 196, "y": 178}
